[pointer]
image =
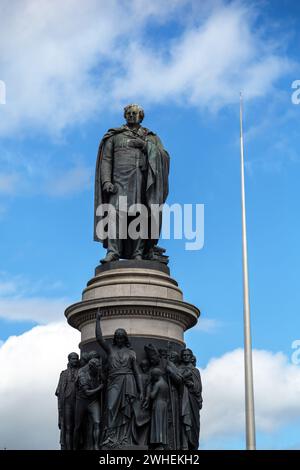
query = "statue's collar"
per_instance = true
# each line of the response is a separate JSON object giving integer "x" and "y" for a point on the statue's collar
{"x": 136, "y": 130}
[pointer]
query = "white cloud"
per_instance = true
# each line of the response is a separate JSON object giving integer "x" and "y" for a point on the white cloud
{"x": 207, "y": 65}
{"x": 277, "y": 389}
{"x": 48, "y": 66}
{"x": 208, "y": 325}
{"x": 21, "y": 300}
{"x": 79, "y": 57}
{"x": 37, "y": 309}
{"x": 30, "y": 366}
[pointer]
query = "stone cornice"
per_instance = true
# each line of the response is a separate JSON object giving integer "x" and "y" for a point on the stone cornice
{"x": 179, "y": 312}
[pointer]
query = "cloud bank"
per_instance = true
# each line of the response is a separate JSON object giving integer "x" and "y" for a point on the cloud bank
{"x": 30, "y": 365}
{"x": 63, "y": 62}
{"x": 277, "y": 388}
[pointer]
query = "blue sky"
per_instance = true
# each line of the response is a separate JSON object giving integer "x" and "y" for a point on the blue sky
{"x": 67, "y": 78}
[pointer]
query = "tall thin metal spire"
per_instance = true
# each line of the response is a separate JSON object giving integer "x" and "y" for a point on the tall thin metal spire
{"x": 249, "y": 391}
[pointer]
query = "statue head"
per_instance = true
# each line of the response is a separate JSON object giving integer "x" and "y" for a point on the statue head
{"x": 174, "y": 357}
{"x": 152, "y": 354}
{"x": 121, "y": 338}
{"x": 145, "y": 366}
{"x": 84, "y": 358}
{"x": 94, "y": 366}
{"x": 186, "y": 356}
{"x": 93, "y": 355}
{"x": 73, "y": 359}
{"x": 194, "y": 360}
{"x": 163, "y": 352}
{"x": 134, "y": 114}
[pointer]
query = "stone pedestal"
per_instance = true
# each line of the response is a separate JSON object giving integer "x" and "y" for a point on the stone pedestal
{"x": 139, "y": 296}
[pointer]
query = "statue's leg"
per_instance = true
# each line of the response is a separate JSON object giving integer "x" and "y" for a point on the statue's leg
{"x": 69, "y": 412}
{"x": 94, "y": 411}
{"x": 138, "y": 245}
{"x": 79, "y": 420}
{"x": 138, "y": 248}
{"x": 184, "y": 439}
{"x": 114, "y": 245}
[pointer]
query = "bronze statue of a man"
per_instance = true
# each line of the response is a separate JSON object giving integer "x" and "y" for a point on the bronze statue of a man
{"x": 66, "y": 398}
{"x": 88, "y": 389}
{"x": 132, "y": 165}
{"x": 191, "y": 401}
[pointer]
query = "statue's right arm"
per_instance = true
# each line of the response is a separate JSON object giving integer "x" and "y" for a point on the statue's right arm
{"x": 100, "y": 340}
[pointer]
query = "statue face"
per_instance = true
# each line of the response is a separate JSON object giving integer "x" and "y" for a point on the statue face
{"x": 94, "y": 365}
{"x": 132, "y": 116}
{"x": 163, "y": 353}
{"x": 120, "y": 339}
{"x": 174, "y": 357}
{"x": 92, "y": 355}
{"x": 186, "y": 357}
{"x": 84, "y": 358}
{"x": 155, "y": 375}
{"x": 73, "y": 360}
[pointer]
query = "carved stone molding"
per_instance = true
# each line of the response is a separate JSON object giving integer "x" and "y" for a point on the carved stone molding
{"x": 85, "y": 311}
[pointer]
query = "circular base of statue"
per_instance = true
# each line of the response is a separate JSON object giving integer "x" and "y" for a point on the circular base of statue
{"x": 139, "y": 296}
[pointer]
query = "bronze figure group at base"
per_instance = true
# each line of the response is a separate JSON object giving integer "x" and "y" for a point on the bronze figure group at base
{"x": 116, "y": 403}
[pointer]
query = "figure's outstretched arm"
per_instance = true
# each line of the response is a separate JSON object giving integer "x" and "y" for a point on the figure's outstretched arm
{"x": 99, "y": 337}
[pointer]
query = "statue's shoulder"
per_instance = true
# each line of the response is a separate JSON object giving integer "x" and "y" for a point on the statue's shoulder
{"x": 113, "y": 131}
{"x": 131, "y": 352}
{"x": 152, "y": 136}
{"x": 63, "y": 376}
{"x": 147, "y": 132}
{"x": 81, "y": 372}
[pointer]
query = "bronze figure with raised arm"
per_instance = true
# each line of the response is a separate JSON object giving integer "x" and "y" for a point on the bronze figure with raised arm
{"x": 123, "y": 388}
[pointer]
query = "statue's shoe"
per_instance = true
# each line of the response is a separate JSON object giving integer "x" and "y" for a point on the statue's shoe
{"x": 109, "y": 257}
